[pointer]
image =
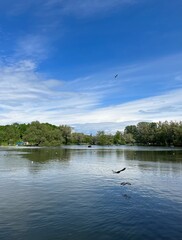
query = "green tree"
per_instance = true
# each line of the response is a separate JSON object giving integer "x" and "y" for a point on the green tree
{"x": 77, "y": 138}
{"x": 104, "y": 139}
{"x": 34, "y": 133}
{"x": 133, "y": 130}
{"x": 118, "y": 138}
{"x": 65, "y": 132}
{"x": 128, "y": 137}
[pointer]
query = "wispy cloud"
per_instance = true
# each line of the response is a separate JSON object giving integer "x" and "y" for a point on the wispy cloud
{"x": 159, "y": 108}
{"x": 83, "y": 8}
{"x": 107, "y": 127}
{"x": 148, "y": 91}
{"x": 27, "y": 95}
{"x": 32, "y": 47}
{"x": 45, "y": 23}
{"x": 78, "y": 7}
{"x": 19, "y": 7}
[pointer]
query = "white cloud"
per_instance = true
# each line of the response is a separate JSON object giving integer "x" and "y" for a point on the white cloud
{"x": 32, "y": 47}
{"x": 164, "y": 107}
{"x": 53, "y": 83}
{"x": 25, "y": 96}
{"x": 108, "y": 127}
{"x": 110, "y": 119}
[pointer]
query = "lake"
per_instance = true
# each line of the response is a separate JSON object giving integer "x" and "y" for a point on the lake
{"x": 72, "y": 193}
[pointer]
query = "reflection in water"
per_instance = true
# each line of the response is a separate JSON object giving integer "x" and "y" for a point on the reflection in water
{"x": 154, "y": 156}
{"x": 38, "y": 158}
{"x": 156, "y": 160}
{"x": 43, "y": 155}
{"x": 126, "y": 196}
{"x": 75, "y": 195}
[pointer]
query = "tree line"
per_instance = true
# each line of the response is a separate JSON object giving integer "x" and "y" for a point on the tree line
{"x": 45, "y": 134}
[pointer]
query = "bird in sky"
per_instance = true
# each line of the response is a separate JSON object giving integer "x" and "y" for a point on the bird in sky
{"x": 116, "y": 76}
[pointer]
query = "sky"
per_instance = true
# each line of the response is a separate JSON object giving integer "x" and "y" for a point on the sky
{"x": 59, "y": 59}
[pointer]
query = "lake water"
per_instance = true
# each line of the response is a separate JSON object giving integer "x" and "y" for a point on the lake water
{"x": 72, "y": 193}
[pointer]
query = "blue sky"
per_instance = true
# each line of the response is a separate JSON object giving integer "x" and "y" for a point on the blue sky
{"x": 58, "y": 59}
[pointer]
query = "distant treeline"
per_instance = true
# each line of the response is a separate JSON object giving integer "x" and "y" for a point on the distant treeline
{"x": 45, "y": 134}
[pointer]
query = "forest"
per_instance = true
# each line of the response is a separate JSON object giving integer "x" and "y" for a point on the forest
{"x": 45, "y": 134}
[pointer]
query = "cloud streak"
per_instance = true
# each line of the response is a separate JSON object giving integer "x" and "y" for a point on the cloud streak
{"x": 84, "y": 8}
{"x": 78, "y": 7}
{"x": 46, "y": 44}
{"x": 32, "y": 47}
{"x": 27, "y": 95}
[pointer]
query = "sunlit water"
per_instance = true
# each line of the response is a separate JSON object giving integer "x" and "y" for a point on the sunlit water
{"x": 72, "y": 193}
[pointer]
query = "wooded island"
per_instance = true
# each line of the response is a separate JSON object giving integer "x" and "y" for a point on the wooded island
{"x": 45, "y": 134}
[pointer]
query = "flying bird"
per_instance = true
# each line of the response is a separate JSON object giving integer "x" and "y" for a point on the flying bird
{"x": 125, "y": 183}
{"x": 116, "y": 76}
{"x": 119, "y": 170}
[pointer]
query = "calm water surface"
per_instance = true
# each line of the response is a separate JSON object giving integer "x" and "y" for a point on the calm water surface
{"x": 72, "y": 193}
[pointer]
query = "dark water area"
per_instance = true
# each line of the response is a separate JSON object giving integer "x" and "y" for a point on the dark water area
{"x": 72, "y": 193}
